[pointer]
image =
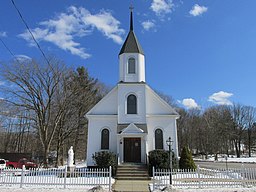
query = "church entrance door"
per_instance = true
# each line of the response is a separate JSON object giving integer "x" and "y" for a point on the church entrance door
{"x": 132, "y": 150}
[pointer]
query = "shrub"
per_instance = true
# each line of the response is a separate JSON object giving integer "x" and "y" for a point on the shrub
{"x": 160, "y": 160}
{"x": 186, "y": 160}
{"x": 104, "y": 159}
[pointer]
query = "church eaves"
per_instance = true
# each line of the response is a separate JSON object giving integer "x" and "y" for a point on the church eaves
{"x": 131, "y": 44}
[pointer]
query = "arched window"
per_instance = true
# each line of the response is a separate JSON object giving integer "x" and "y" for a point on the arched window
{"x": 131, "y": 66}
{"x": 105, "y": 139}
{"x": 159, "y": 139}
{"x": 131, "y": 104}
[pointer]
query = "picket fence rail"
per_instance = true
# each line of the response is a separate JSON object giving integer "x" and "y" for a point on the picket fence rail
{"x": 64, "y": 177}
{"x": 204, "y": 178}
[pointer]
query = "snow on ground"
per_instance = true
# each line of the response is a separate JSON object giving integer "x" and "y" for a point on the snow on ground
{"x": 217, "y": 190}
{"x": 29, "y": 189}
{"x": 12, "y": 189}
{"x": 86, "y": 189}
{"x": 230, "y": 159}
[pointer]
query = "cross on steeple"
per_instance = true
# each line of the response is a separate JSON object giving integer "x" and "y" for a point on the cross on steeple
{"x": 131, "y": 7}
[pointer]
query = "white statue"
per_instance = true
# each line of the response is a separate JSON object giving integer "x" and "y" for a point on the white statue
{"x": 70, "y": 157}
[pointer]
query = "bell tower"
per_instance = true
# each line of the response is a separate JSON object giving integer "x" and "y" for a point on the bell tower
{"x": 131, "y": 58}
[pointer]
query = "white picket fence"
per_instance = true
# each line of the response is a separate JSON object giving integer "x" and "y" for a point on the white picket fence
{"x": 79, "y": 177}
{"x": 204, "y": 178}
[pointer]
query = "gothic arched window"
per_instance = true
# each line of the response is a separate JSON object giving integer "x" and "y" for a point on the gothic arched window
{"x": 131, "y": 66}
{"x": 131, "y": 104}
{"x": 105, "y": 139}
{"x": 159, "y": 139}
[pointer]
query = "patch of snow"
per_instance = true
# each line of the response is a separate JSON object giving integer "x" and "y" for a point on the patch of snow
{"x": 231, "y": 159}
{"x": 43, "y": 189}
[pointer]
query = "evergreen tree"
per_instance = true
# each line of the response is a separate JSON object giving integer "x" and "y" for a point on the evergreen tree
{"x": 186, "y": 160}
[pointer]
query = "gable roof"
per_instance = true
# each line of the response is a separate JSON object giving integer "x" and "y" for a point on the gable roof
{"x": 123, "y": 127}
{"x": 107, "y": 105}
{"x": 132, "y": 129}
{"x": 155, "y": 105}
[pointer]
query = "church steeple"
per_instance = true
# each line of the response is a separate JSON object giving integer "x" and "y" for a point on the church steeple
{"x": 131, "y": 58}
{"x": 131, "y": 44}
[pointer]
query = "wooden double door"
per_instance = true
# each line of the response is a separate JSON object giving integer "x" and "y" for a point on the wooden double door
{"x": 132, "y": 150}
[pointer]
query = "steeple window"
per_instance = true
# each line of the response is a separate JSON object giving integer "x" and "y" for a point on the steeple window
{"x": 131, "y": 104}
{"x": 131, "y": 66}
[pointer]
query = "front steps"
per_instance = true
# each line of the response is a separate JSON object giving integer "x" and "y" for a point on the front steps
{"x": 132, "y": 172}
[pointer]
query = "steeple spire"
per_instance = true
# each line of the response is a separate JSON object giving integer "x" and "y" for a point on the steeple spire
{"x": 131, "y": 44}
{"x": 131, "y": 18}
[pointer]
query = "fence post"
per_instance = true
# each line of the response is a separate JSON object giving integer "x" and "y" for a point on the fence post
{"x": 153, "y": 172}
{"x": 110, "y": 176}
{"x": 22, "y": 175}
{"x": 199, "y": 178}
{"x": 243, "y": 174}
{"x": 65, "y": 176}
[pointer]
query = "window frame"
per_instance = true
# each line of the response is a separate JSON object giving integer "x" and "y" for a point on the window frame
{"x": 131, "y": 69}
{"x": 132, "y": 107}
{"x": 159, "y": 139}
{"x": 105, "y": 139}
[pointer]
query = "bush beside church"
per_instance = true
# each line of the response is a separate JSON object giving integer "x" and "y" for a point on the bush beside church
{"x": 105, "y": 159}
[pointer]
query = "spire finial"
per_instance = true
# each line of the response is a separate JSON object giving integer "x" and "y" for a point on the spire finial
{"x": 131, "y": 19}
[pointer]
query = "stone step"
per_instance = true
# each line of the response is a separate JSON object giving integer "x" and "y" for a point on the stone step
{"x": 132, "y": 172}
{"x": 132, "y": 178}
{"x": 131, "y": 186}
{"x": 135, "y": 167}
{"x": 132, "y": 168}
{"x": 132, "y": 165}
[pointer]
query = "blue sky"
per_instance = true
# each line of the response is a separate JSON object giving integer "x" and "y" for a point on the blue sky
{"x": 201, "y": 52}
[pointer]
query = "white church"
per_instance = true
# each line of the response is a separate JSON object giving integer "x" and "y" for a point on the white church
{"x": 131, "y": 120}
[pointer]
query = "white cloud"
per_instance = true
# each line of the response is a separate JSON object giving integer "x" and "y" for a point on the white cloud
{"x": 198, "y": 10}
{"x": 162, "y": 7}
{"x": 75, "y": 23}
{"x": 107, "y": 24}
{"x": 3, "y": 34}
{"x": 221, "y": 98}
{"x": 190, "y": 103}
{"x": 22, "y": 58}
{"x": 147, "y": 25}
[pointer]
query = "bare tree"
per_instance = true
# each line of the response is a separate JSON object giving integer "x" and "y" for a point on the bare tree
{"x": 182, "y": 128}
{"x": 250, "y": 120}
{"x": 218, "y": 123}
{"x": 168, "y": 99}
{"x": 189, "y": 129}
{"x": 33, "y": 87}
{"x": 238, "y": 112}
